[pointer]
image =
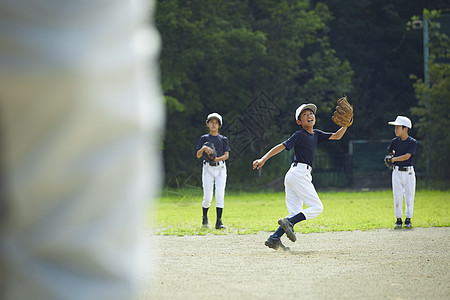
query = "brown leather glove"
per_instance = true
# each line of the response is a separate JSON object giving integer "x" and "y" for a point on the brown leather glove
{"x": 343, "y": 115}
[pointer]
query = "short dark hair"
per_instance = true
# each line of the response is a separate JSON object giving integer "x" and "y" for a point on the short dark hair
{"x": 403, "y": 126}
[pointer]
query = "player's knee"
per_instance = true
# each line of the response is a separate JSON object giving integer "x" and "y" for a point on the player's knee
{"x": 320, "y": 208}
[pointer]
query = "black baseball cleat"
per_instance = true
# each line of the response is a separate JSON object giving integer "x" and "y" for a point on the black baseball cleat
{"x": 219, "y": 224}
{"x": 398, "y": 224}
{"x": 288, "y": 228}
{"x": 407, "y": 224}
{"x": 275, "y": 244}
{"x": 205, "y": 222}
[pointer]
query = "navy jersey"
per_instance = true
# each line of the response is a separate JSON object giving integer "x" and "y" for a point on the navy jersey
{"x": 402, "y": 147}
{"x": 305, "y": 144}
{"x": 220, "y": 142}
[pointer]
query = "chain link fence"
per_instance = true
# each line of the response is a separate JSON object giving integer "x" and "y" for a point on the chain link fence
{"x": 361, "y": 168}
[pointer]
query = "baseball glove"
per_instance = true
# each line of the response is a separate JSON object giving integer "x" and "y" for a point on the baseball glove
{"x": 343, "y": 115}
{"x": 388, "y": 161}
{"x": 209, "y": 157}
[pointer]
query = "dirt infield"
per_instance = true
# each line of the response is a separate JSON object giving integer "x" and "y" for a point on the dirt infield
{"x": 381, "y": 264}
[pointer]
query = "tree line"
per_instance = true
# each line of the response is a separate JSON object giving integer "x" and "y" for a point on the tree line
{"x": 254, "y": 62}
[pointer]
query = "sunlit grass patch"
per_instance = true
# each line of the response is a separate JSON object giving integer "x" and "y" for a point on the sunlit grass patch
{"x": 245, "y": 213}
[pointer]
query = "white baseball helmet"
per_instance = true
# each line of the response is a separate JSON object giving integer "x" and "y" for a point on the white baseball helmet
{"x": 402, "y": 121}
{"x": 302, "y": 107}
{"x": 214, "y": 115}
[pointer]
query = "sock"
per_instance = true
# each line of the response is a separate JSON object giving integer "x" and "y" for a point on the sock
{"x": 297, "y": 218}
{"x": 205, "y": 211}
{"x": 219, "y": 211}
{"x": 278, "y": 233}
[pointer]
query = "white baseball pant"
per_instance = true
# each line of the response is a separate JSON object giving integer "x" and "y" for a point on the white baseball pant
{"x": 403, "y": 185}
{"x": 300, "y": 189}
{"x": 214, "y": 176}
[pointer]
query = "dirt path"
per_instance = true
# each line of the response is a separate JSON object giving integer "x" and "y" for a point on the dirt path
{"x": 381, "y": 264}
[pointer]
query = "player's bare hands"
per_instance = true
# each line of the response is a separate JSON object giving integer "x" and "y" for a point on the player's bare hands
{"x": 257, "y": 164}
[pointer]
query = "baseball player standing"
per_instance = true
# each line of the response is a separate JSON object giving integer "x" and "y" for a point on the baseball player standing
{"x": 298, "y": 180}
{"x": 403, "y": 148}
{"x": 214, "y": 172}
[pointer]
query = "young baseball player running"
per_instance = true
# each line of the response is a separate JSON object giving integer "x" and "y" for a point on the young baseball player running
{"x": 403, "y": 148}
{"x": 298, "y": 181}
{"x": 214, "y": 170}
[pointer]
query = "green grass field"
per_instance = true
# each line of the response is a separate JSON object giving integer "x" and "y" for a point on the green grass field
{"x": 181, "y": 213}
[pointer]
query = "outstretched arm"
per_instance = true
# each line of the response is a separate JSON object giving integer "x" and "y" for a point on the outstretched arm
{"x": 257, "y": 164}
{"x": 338, "y": 134}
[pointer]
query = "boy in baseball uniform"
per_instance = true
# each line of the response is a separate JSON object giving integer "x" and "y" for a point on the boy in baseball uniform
{"x": 298, "y": 181}
{"x": 214, "y": 173}
{"x": 403, "y": 148}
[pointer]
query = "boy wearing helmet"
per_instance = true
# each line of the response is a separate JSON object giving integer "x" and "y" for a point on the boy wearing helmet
{"x": 298, "y": 181}
{"x": 403, "y": 147}
{"x": 214, "y": 173}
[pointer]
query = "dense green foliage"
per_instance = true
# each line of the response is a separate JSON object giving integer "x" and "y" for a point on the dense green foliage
{"x": 434, "y": 100}
{"x": 219, "y": 56}
{"x": 252, "y": 213}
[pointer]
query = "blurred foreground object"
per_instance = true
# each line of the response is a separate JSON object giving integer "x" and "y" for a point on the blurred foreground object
{"x": 80, "y": 120}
